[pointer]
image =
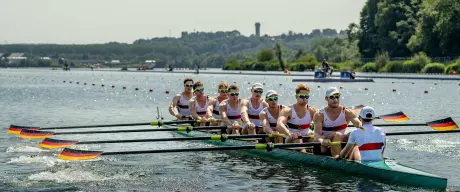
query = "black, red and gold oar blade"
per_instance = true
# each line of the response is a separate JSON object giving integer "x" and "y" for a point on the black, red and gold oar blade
{"x": 443, "y": 124}
{"x": 74, "y": 154}
{"x": 358, "y": 107}
{"x": 56, "y": 143}
{"x": 16, "y": 129}
{"x": 394, "y": 117}
{"x": 32, "y": 134}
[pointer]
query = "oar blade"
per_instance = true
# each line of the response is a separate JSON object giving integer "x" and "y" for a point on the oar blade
{"x": 357, "y": 107}
{"x": 16, "y": 129}
{"x": 446, "y": 124}
{"x": 49, "y": 143}
{"x": 33, "y": 134}
{"x": 75, "y": 154}
{"x": 394, "y": 117}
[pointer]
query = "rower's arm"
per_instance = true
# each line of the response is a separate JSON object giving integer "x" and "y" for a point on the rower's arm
{"x": 244, "y": 111}
{"x": 318, "y": 121}
{"x": 350, "y": 116}
{"x": 191, "y": 106}
{"x": 282, "y": 119}
{"x": 265, "y": 123}
{"x": 212, "y": 102}
{"x": 223, "y": 114}
{"x": 172, "y": 106}
{"x": 347, "y": 149}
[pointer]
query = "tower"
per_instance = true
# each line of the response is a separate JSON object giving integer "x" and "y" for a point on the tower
{"x": 258, "y": 29}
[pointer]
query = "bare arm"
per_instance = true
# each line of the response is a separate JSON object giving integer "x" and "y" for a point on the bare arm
{"x": 318, "y": 120}
{"x": 211, "y": 103}
{"x": 223, "y": 113}
{"x": 350, "y": 144}
{"x": 350, "y": 116}
{"x": 191, "y": 106}
{"x": 285, "y": 114}
{"x": 244, "y": 111}
{"x": 172, "y": 106}
{"x": 265, "y": 123}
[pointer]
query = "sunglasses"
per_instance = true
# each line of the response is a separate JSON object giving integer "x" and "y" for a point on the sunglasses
{"x": 259, "y": 91}
{"x": 303, "y": 96}
{"x": 199, "y": 89}
{"x": 223, "y": 90}
{"x": 234, "y": 93}
{"x": 188, "y": 85}
{"x": 275, "y": 98}
{"x": 334, "y": 97}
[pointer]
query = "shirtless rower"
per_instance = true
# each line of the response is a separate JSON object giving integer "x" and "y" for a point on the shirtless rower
{"x": 251, "y": 108}
{"x": 331, "y": 122}
{"x": 365, "y": 144}
{"x": 199, "y": 104}
{"x": 269, "y": 116}
{"x": 297, "y": 117}
{"x": 230, "y": 110}
{"x": 179, "y": 105}
{"x": 222, "y": 90}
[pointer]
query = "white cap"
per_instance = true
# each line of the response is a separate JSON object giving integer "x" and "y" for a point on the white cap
{"x": 270, "y": 93}
{"x": 257, "y": 86}
{"x": 367, "y": 113}
{"x": 332, "y": 91}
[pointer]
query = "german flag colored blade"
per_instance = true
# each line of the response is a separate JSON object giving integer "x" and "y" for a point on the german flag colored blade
{"x": 394, "y": 117}
{"x": 443, "y": 124}
{"x": 74, "y": 154}
{"x": 32, "y": 134}
{"x": 56, "y": 143}
{"x": 16, "y": 129}
{"x": 357, "y": 107}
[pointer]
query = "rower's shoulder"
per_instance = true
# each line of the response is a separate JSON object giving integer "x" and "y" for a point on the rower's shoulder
{"x": 223, "y": 103}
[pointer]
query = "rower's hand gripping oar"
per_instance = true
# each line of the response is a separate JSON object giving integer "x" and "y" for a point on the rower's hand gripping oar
{"x": 74, "y": 154}
{"x": 55, "y": 143}
{"x": 16, "y": 129}
{"x": 31, "y": 134}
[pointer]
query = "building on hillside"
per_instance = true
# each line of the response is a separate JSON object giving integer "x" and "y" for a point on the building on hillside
{"x": 150, "y": 64}
{"x": 115, "y": 62}
{"x": 16, "y": 57}
{"x": 45, "y": 58}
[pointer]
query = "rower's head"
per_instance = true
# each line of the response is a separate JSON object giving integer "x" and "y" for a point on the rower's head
{"x": 233, "y": 92}
{"x": 302, "y": 94}
{"x": 333, "y": 97}
{"x": 222, "y": 89}
{"x": 367, "y": 115}
{"x": 198, "y": 88}
{"x": 272, "y": 98}
{"x": 188, "y": 84}
{"x": 256, "y": 90}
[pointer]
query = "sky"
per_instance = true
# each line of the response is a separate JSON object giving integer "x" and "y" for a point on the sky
{"x": 102, "y": 21}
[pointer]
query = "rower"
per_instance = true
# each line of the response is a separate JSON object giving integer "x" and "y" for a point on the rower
{"x": 298, "y": 117}
{"x": 251, "y": 108}
{"x": 222, "y": 90}
{"x": 365, "y": 144}
{"x": 270, "y": 114}
{"x": 179, "y": 105}
{"x": 230, "y": 110}
{"x": 331, "y": 122}
{"x": 198, "y": 104}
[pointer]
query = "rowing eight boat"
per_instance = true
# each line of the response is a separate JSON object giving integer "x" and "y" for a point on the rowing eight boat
{"x": 389, "y": 171}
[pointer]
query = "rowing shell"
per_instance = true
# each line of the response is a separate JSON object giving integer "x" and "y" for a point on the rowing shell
{"x": 389, "y": 171}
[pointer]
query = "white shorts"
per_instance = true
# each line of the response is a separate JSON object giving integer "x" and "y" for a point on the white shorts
{"x": 302, "y": 132}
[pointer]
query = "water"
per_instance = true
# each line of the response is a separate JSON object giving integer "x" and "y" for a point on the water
{"x": 39, "y": 97}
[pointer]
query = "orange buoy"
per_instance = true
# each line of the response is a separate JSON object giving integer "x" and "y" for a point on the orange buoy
{"x": 394, "y": 90}
{"x": 365, "y": 89}
{"x": 167, "y": 92}
{"x": 151, "y": 90}
{"x": 426, "y": 91}
{"x": 341, "y": 87}
{"x": 454, "y": 72}
{"x": 113, "y": 86}
{"x": 137, "y": 89}
{"x": 102, "y": 85}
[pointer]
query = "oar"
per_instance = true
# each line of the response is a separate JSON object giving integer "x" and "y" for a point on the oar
{"x": 73, "y": 154}
{"x": 32, "y": 134}
{"x": 16, "y": 129}
{"x": 55, "y": 143}
{"x": 441, "y": 124}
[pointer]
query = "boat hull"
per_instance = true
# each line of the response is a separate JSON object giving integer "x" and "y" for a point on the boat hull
{"x": 389, "y": 171}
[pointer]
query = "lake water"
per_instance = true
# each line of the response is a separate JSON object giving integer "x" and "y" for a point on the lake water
{"x": 40, "y": 97}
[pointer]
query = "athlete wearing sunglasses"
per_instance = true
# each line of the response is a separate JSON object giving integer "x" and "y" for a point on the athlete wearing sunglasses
{"x": 251, "y": 108}
{"x": 230, "y": 110}
{"x": 222, "y": 91}
{"x": 331, "y": 123}
{"x": 295, "y": 120}
{"x": 199, "y": 108}
{"x": 269, "y": 116}
{"x": 179, "y": 106}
